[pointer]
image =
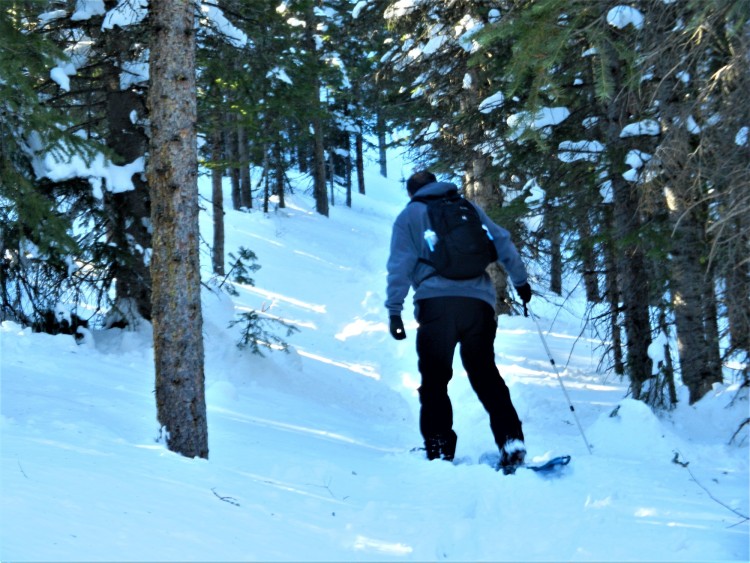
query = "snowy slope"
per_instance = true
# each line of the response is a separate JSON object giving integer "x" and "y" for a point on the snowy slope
{"x": 310, "y": 451}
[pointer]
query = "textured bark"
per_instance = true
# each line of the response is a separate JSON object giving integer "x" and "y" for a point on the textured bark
{"x": 175, "y": 267}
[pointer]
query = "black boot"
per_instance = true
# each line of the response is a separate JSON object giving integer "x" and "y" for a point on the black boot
{"x": 512, "y": 456}
{"x": 441, "y": 447}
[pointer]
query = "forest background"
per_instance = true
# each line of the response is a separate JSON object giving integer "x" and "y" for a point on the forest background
{"x": 610, "y": 137}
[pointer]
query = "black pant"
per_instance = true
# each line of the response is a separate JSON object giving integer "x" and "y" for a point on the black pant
{"x": 445, "y": 322}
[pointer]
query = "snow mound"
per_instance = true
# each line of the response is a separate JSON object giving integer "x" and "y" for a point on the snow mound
{"x": 632, "y": 430}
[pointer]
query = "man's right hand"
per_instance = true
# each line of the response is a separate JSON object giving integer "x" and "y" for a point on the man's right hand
{"x": 524, "y": 292}
{"x": 397, "y": 327}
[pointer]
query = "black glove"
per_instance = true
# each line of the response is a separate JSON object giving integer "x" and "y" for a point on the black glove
{"x": 397, "y": 327}
{"x": 524, "y": 292}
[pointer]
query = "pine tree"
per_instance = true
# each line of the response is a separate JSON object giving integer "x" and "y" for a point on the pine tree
{"x": 36, "y": 239}
{"x": 175, "y": 265}
{"x": 593, "y": 97}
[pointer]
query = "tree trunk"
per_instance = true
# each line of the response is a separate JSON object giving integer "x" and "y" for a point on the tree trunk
{"x": 711, "y": 322}
{"x": 278, "y": 166}
{"x": 246, "y": 188}
{"x": 319, "y": 166}
{"x": 590, "y": 270}
{"x": 633, "y": 281}
{"x": 688, "y": 285}
{"x": 217, "y": 196}
{"x": 555, "y": 248}
{"x": 663, "y": 380}
{"x": 360, "y": 162}
{"x": 479, "y": 189}
{"x": 128, "y": 211}
{"x": 332, "y": 179}
{"x": 175, "y": 264}
{"x": 634, "y": 285}
{"x": 737, "y": 283}
{"x": 691, "y": 285}
{"x": 319, "y": 162}
{"x": 382, "y": 156}
{"x": 266, "y": 180}
{"x": 612, "y": 292}
{"x": 348, "y": 170}
{"x": 230, "y": 144}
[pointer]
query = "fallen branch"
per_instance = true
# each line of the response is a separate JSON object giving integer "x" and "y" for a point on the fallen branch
{"x": 744, "y": 517}
{"x": 229, "y": 500}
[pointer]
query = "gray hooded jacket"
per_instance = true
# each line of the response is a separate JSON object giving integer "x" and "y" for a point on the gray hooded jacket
{"x": 408, "y": 246}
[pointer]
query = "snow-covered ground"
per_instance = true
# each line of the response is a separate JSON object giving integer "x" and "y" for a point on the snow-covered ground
{"x": 310, "y": 451}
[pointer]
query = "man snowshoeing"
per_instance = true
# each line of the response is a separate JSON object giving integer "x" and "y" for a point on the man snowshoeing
{"x": 452, "y": 312}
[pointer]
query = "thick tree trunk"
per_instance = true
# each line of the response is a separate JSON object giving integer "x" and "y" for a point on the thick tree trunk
{"x": 175, "y": 265}
{"x": 688, "y": 283}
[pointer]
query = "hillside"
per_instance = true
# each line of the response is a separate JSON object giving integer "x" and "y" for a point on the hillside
{"x": 310, "y": 450}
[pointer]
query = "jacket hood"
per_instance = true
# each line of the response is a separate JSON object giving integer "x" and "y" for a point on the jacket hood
{"x": 436, "y": 189}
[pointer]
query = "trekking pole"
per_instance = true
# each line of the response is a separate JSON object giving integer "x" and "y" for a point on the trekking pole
{"x": 557, "y": 372}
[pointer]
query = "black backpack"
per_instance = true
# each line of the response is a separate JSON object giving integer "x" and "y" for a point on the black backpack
{"x": 462, "y": 247}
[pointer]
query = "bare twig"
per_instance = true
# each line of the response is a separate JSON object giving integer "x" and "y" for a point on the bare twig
{"x": 229, "y": 500}
{"x": 744, "y": 517}
{"x": 746, "y": 422}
